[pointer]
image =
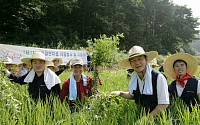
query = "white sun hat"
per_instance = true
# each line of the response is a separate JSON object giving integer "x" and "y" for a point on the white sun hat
{"x": 76, "y": 61}
{"x": 154, "y": 62}
{"x": 8, "y": 60}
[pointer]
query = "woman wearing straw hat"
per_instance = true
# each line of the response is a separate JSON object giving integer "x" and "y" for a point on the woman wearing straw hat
{"x": 181, "y": 67}
{"x": 41, "y": 80}
{"x": 147, "y": 86}
{"x": 57, "y": 62}
{"x": 53, "y": 67}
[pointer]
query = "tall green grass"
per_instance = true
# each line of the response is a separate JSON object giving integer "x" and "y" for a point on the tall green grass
{"x": 17, "y": 108}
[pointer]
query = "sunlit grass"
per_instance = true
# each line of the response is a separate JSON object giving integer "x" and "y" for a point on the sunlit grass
{"x": 102, "y": 109}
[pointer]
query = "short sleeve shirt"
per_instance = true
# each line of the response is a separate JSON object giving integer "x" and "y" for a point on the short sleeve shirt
{"x": 180, "y": 89}
{"x": 162, "y": 89}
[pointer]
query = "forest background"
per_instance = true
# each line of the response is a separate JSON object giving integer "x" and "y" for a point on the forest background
{"x": 68, "y": 24}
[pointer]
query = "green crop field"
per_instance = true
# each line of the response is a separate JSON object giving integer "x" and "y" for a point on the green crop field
{"x": 17, "y": 108}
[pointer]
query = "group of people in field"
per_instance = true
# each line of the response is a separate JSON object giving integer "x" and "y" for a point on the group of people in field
{"x": 43, "y": 81}
{"x": 147, "y": 86}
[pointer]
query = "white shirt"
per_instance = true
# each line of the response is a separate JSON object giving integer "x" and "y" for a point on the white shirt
{"x": 162, "y": 89}
{"x": 180, "y": 89}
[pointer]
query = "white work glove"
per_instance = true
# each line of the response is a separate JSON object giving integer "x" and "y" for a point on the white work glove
{"x": 6, "y": 72}
{"x": 116, "y": 93}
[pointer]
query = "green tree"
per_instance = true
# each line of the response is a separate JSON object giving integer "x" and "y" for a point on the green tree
{"x": 168, "y": 27}
{"x": 12, "y": 24}
{"x": 104, "y": 52}
{"x": 153, "y": 24}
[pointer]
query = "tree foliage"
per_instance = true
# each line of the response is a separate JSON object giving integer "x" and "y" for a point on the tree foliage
{"x": 153, "y": 24}
{"x": 104, "y": 52}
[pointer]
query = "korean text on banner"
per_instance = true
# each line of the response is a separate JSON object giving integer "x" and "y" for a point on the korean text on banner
{"x": 16, "y": 53}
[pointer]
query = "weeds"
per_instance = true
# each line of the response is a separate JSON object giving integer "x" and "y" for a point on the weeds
{"x": 16, "y": 107}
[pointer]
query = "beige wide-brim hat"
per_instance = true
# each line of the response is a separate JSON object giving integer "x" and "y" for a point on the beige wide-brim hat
{"x": 136, "y": 51}
{"x": 8, "y": 60}
{"x": 36, "y": 55}
{"x": 52, "y": 64}
{"x": 192, "y": 64}
{"x": 59, "y": 59}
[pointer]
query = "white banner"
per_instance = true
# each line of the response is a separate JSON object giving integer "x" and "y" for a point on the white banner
{"x": 16, "y": 53}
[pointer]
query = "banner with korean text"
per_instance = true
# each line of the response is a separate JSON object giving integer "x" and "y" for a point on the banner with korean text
{"x": 16, "y": 53}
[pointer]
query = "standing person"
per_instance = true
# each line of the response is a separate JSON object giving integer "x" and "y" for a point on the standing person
{"x": 25, "y": 69}
{"x": 57, "y": 63}
{"x": 181, "y": 67}
{"x": 52, "y": 67}
{"x": 9, "y": 64}
{"x": 161, "y": 69}
{"x": 17, "y": 68}
{"x": 147, "y": 86}
{"x": 153, "y": 63}
{"x": 78, "y": 86}
{"x": 89, "y": 63}
{"x": 41, "y": 80}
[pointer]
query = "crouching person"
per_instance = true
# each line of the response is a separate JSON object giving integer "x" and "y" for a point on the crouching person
{"x": 76, "y": 88}
{"x": 41, "y": 80}
{"x": 147, "y": 86}
{"x": 181, "y": 67}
